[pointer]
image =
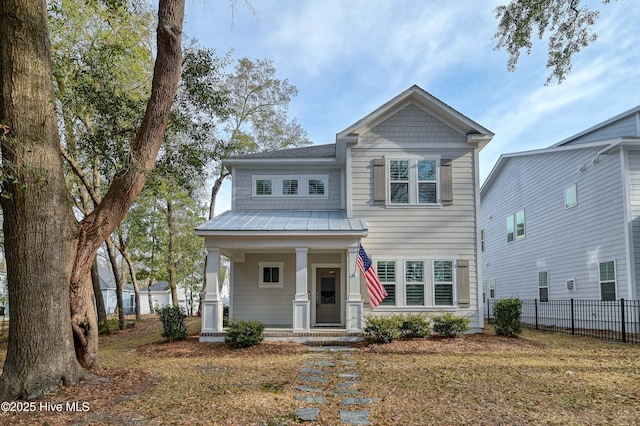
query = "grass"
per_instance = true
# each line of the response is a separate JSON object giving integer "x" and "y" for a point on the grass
{"x": 541, "y": 378}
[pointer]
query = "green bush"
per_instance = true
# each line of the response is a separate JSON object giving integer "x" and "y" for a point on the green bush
{"x": 448, "y": 325}
{"x": 507, "y": 314}
{"x": 173, "y": 324}
{"x": 415, "y": 325}
{"x": 383, "y": 329}
{"x": 242, "y": 334}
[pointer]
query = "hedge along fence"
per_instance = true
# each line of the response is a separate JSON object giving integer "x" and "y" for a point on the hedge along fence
{"x": 617, "y": 320}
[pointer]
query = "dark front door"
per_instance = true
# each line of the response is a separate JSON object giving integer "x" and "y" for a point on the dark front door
{"x": 328, "y": 296}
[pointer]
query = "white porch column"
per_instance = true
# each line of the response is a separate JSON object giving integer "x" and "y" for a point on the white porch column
{"x": 301, "y": 303}
{"x": 354, "y": 298}
{"x": 212, "y": 304}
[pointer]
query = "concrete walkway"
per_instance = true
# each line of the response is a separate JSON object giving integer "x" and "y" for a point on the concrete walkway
{"x": 328, "y": 375}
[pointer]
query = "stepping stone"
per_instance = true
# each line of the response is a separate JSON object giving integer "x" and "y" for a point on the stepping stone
{"x": 308, "y": 414}
{"x": 347, "y": 362}
{"x": 346, "y": 384}
{"x": 309, "y": 389}
{"x": 319, "y": 363}
{"x": 347, "y": 392}
{"x": 349, "y": 375}
{"x": 314, "y": 379}
{"x": 312, "y": 399}
{"x": 313, "y": 371}
{"x": 353, "y": 401}
{"x": 355, "y": 417}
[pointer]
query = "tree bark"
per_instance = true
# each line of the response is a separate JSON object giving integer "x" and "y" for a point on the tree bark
{"x": 52, "y": 326}
{"x": 122, "y": 320}
{"x": 97, "y": 293}
{"x": 39, "y": 226}
{"x": 122, "y": 248}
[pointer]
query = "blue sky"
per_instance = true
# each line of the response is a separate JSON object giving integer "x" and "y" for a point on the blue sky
{"x": 349, "y": 57}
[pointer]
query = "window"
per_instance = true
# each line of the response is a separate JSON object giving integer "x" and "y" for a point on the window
{"x": 543, "y": 286}
{"x": 520, "y": 224}
{"x": 289, "y": 186}
{"x": 316, "y": 187}
{"x": 570, "y": 197}
{"x": 427, "y": 181}
{"x": 271, "y": 274}
{"x": 264, "y": 186}
{"x": 608, "y": 280}
{"x": 491, "y": 286}
{"x": 482, "y": 240}
{"x": 399, "y": 181}
{"x": 510, "y": 228}
{"x": 387, "y": 275}
{"x": 413, "y": 181}
{"x": 443, "y": 282}
{"x": 414, "y": 280}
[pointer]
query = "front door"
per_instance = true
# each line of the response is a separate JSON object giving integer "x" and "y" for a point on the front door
{"x": 328, "y": 296}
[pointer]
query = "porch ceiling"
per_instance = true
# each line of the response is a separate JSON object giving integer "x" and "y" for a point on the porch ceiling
{"x": 283, "y": 222}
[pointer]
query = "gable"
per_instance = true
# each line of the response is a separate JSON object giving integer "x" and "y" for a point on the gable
{"x": 413, "y": 125}
{"x": 623, "y": 125}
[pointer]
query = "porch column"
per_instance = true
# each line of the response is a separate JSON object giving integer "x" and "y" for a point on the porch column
{"x": 301, "y": 303}
{"x": 354, "y": 298}
{"x": 212, "y": 304}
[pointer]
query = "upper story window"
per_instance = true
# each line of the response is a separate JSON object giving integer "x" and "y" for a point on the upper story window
{"x": 510, "y": 228}
{"x": 413, "y": 181}
{"x": 515, "y": 226}
{"x": 287, "y": 186}
{"x": 520, "y": 224}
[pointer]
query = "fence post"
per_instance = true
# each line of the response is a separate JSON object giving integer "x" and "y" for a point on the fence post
{"x": 623, "y": 328}
{"x": 536, "y": 311}
{"x": 573, "y": 320}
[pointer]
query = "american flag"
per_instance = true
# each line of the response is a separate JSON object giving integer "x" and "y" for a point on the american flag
{"x": 376, "y": 291}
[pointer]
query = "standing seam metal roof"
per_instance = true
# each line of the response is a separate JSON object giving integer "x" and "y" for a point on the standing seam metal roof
{"x": 315, "y": 221}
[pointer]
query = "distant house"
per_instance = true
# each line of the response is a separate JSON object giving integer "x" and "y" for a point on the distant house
{"x": 403, "y": 181}
{"x": 564, "y": 222}
{"x": 108, "y": 289}
{"x": 161, "y": 296}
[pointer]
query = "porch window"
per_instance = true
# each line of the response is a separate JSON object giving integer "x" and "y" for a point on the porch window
{"x": 443, "y": 282}
{"x": 414, "y": 280}
{"x": 271, "y": 274}
{"x": 386, "y": 270}
{"x": 290, "y": 187}
{"x": 264, "y": 186}
{"x": 317, "y": 186}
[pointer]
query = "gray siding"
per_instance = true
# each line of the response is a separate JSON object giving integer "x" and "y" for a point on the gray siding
{"x": 243, "y": 191}
{"x": 568, "y": 243}
{"x": 634, "y": 203}
{"x": 624, "y": 127}
{"x": 444, "y": 232}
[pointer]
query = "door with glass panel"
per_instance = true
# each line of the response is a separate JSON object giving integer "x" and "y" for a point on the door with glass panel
{"x": 328, "y": 296}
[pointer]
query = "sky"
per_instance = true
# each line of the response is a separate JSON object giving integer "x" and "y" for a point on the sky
{"x": 348, "y": 57}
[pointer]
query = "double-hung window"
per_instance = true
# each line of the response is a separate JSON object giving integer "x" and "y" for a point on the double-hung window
{"x": 543, "y": 286}
{"x": 414, "y": 282}
{"x": 608, "y": 280}
{"x": 443, "y": 282}
{"x": 413, "y": 181}
{"x": 386, "y": 270}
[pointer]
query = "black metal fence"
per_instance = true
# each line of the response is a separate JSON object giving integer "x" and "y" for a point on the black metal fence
{"x": 616, "y": 320}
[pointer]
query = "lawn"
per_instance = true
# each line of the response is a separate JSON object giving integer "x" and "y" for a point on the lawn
{"x": 541, "y": 378}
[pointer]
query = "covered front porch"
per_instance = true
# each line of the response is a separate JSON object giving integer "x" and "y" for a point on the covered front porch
{"x": 298, "y": 277}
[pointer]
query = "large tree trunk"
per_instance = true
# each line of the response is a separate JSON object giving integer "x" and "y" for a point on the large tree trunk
{"x": 49, "y": 255}
{"x": 172, "y": 254}
{"x": 41, "y": 233}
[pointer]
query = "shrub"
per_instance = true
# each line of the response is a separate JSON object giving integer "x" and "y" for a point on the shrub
{"x": 173, "y": 324}
{"x": 242, "y": 334}
{"x": 383, "y": 329}
{"x": 415, "y": 325}
{"x": 448, "y": 325}
{"x": 507, "y": 314}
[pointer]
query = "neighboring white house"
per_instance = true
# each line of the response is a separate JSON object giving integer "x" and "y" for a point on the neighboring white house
{"x": 161, "y": 296}
{"x": 564, "y": 222}
{"x": 403, "y": 181}
{"x": 108, "y": 289}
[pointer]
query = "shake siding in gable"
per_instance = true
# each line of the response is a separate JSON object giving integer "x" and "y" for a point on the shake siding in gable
{"x": 568, "y": 243}
{"x": 244, "y": 199}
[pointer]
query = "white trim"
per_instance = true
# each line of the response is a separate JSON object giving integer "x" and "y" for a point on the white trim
{"x": 348, "y": 192}
{"x": 280, "y": 283}
{"x": 628, "y": 221}
{"x": 479, "y": 252}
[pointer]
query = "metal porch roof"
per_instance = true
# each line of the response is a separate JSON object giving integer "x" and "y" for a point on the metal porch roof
{"x": 286, "y": 221}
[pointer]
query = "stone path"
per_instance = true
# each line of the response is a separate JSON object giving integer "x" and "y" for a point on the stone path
{"x": 328, "y": 375}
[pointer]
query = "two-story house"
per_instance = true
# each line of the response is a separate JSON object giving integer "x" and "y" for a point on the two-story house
{"x": 402, "y": 181}
{"x": 564, "y": 222}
